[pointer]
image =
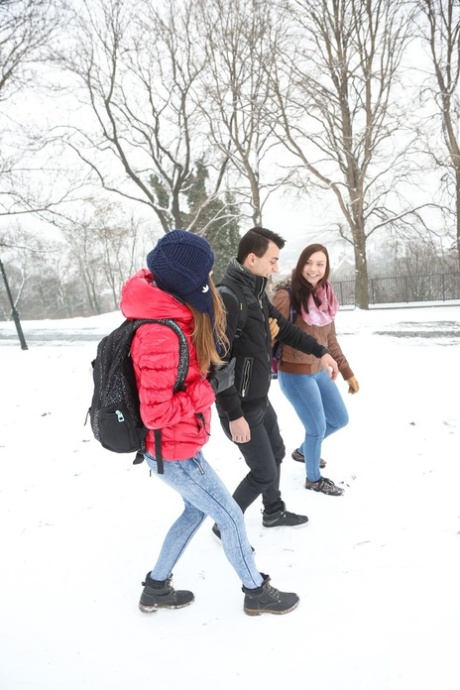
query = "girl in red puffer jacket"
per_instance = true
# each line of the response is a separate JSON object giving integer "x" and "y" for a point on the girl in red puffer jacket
{"x": 178, "y": 286}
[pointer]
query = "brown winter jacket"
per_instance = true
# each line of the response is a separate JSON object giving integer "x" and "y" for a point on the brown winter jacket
{"x": 295, "y": 362}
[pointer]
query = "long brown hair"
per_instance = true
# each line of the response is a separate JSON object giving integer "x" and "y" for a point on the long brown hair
{"x": 301, "y": 288}
{"x": 205, "y": 337}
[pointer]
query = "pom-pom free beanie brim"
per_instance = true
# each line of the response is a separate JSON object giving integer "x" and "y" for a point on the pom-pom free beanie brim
{"x": 180, "y": 264}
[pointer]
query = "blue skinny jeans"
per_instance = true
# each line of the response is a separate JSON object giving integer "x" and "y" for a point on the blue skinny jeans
{"x": 319, "y": 406}
{"x": 203, "y": 494}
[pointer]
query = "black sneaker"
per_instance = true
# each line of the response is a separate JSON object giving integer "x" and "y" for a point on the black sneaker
{"x": 325, "y": 486}
{"x": 267, "y": 599}
{"x": 159, "y": 594}
{"x": 282, "y": 518}
{"x": 298, "y": 456}
{"x": 216, "y": 531}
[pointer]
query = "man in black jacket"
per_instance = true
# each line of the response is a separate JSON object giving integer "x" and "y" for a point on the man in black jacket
{"x": 245, "y": 412}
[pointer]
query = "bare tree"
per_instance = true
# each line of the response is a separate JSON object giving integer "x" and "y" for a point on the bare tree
{"x": 104, "y": 244}
{"x": 237, "y": 38}
{"x": 27, "y": 30}
{"x": 119, "y": 240}
{"x": 137, "y": 67}
{"x": 443, "y": 35}
{"x": 334, "y": 93}
{"x": 80, "y": 274}
{"x": 20, "y": 253}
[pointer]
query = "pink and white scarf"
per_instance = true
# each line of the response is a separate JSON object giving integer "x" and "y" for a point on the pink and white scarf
{"x": 325, "y": 313}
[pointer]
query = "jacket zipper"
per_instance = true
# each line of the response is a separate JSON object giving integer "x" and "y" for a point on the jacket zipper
{"x": 245, "y": 378}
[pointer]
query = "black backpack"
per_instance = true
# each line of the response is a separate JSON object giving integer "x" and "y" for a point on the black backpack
{"x": 230, "y": 286}
{"x": 242, "y": 318}
{"x": 114, "y": 413}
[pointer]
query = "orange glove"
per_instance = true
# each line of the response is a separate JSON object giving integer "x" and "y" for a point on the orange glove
{"x": 274, "y": 328}
{"x": 353, "y": 385}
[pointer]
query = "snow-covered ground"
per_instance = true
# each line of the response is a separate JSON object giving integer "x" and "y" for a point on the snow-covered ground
{"x": 377, "y": 570}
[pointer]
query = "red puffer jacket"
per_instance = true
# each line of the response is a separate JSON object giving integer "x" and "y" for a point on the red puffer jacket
{"x": 183, "y": 417}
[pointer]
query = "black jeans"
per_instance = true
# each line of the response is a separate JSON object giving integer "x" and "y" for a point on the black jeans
{"x": 263, "y": 455}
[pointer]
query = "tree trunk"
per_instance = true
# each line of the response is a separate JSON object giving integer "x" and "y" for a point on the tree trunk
{"x": 361, "y": 273}
{"x": 457, "y": 200}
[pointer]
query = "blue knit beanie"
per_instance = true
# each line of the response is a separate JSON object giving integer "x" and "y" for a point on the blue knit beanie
{"x": 180, "y": 264}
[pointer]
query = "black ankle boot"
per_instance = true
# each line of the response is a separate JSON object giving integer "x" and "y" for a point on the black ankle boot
{"x": 267, "y": 599}
{"x": 159, "y": 594}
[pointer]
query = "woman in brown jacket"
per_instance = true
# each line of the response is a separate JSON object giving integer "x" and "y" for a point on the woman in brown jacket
{"x": 309, "y": 300}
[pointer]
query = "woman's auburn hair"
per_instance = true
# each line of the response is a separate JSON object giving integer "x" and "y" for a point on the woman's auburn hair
{"x": 301, "y": 288}
{"x": 204, "y": 336}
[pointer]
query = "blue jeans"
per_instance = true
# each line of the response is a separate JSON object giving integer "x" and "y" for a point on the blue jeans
{"x": 320, "y": 408}
{"x": 204, "y": 494}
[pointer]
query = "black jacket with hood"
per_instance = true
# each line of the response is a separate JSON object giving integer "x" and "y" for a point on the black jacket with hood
{"x": 252, "y": 348}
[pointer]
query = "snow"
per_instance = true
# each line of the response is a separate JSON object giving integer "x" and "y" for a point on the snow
{"x": 377, "y": 570}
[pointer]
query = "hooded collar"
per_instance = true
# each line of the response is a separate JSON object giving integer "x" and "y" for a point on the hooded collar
{"x": 244, "y": 277}
{"x": 141, "y": 298}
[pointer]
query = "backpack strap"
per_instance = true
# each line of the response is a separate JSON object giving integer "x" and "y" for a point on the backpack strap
{"x": 183, "y": 348}
{"x": 292, "y": 309}
{"x": 230, "y": 287}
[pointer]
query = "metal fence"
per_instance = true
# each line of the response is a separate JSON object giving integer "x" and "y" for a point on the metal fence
{"x": 411, "y": 288}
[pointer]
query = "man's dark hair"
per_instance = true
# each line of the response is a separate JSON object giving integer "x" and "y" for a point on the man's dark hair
{"x": 255, "y": 241}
